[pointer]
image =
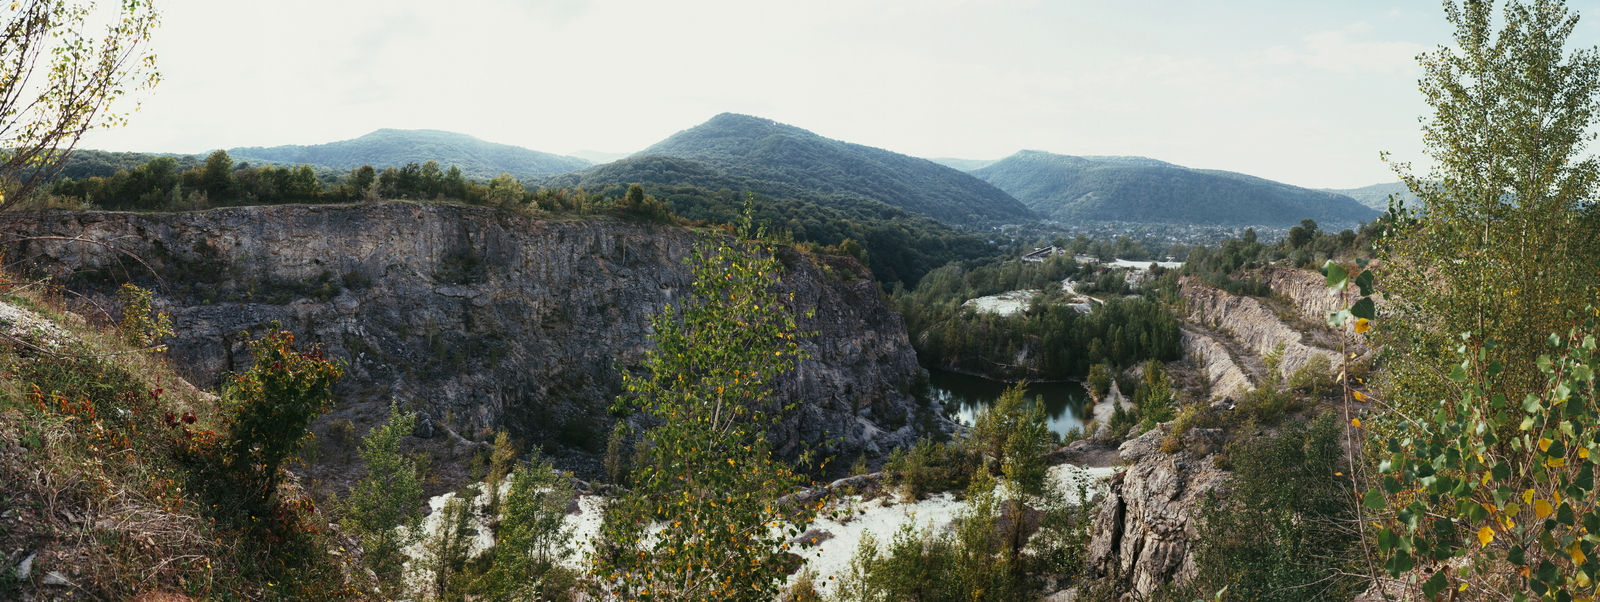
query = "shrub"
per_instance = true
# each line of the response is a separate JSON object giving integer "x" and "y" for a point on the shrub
{"x": 533, "y": 538}
{"x": 142, "y": 326}
{"x": 1314, "y": 377}
{"x": 382, "y": 509}
{"x": 1154, "y": 397}
{"x": 1265, "y": 404}
{"x": 1122, "y": 421}
{"x": 1099, "y": 380}
{"x": 929, "y": 467}
{"x": 1284, "y": 522}
{"x": 271, "y": 405}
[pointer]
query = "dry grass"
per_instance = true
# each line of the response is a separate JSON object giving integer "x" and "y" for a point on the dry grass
{"x": 104, "y": 491}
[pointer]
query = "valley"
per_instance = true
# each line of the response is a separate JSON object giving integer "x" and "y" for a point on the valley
{"x": 1064, "y": 377}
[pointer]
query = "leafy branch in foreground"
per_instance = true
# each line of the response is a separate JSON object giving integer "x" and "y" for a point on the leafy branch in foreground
{"x": 1520, "y": 511}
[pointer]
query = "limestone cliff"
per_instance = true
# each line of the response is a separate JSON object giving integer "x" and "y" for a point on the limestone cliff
{"x": 1148, "y": 516}
{"x": 1224, "y": 376}
{"x": 1254, "y": 325}
{"x": 478, "y": 318}
{"x": 1142, "y": 536}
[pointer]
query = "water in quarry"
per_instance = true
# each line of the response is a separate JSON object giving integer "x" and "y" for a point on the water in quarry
{"x": 966, "y": 396}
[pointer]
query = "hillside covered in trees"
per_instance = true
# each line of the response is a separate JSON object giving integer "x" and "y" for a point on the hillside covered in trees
{"x": 389, "y": 147}
{"x": 1136, "y": 189}
{"x": 762, "y": 149}
{"x": 900, "y": 246}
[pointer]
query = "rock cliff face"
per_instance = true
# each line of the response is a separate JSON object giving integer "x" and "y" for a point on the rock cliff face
{"x": 1148, "y": 516}
{"x": 1251, "y": 323}
{"x": 477, "y": 318}
{"x": 1226, "y": 378}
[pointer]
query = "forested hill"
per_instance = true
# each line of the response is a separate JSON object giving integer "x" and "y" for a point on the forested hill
{"x": 762, "y": 149}
{"x": 900, "y": 245}
{"x": 387, "y": 147}
{"x": 1137, "y": 189}
{"x": 1376, "y": 196}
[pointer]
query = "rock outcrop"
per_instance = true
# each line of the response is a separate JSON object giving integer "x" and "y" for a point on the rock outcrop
{"x": 1226, "y": 378}
{"x": 476, "y": 318}
{"x": 1149, "y": 514}
{"x": 1251, "y": 323}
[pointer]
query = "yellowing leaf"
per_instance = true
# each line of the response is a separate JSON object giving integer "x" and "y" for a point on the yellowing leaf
{"x": 1577, "y": 554}
{"x": 1544, "y": 444}
{"x": 1583, "y": 452}
{"x": 1359, "y": 395}
{"x": 1556, "y": 462}
{"x": 1541, "y": 508}
{"x": 1356, "y": 422}
{"x": 1527, "y": 497}
{"x": 1485, "y": 535}
{"x": 1362, "y": 325}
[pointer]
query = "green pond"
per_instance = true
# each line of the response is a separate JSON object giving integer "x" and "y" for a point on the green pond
{"x": 966, "y": 396}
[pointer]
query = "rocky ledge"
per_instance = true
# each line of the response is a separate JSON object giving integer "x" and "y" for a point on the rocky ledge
{"x": 476, "y": 318}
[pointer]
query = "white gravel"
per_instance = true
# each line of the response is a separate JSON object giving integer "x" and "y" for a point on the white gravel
{"x": 882, "y": 517}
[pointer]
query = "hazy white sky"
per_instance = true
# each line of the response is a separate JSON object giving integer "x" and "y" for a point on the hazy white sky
{"x": 1302, "y": 91}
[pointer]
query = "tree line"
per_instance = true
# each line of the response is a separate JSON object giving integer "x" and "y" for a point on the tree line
{"x": 1048, "y": 340}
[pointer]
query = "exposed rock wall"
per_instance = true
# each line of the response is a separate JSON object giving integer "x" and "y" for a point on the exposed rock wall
{"x": 1308, "y": 291}
{"x": 1227, "y": 379}
{"x": 1250, "y": 322}
{"x": 1148, "y": 516}
{"x": 1148, "y": 519}
{"x": 479, "y": 318}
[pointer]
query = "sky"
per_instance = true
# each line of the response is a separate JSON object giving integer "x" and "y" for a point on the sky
{"x": 1306, "y": 92}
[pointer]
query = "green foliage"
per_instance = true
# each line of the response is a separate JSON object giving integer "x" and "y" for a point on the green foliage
{"x": 1122, "y": 420}
{"x": 442, "y": 568}
{"x": 1507, "y": 236}
{"x": 1154, "y": 396}
{"x": 967, "y": 565}
{"x": 1056, "y": 340}
{"x": 382, "y": 509}
{"x": 1266, "y": 404}
{"x": 1316, "y": 376}
{"x": 1523, "y": 504}
{"x": 1281, "y": 531}
{"x": 533, "y": 538}
{"x": 271, "y": 404}
{"x": 989, "y": 555}
{"x": 389, "y": 147}
{"x": 1014, "y": 435}
{"x": 898, "y": 245}
{"x": 616, "y": 461}
{"x": 66, "y": 65}
{"x": 1115, "y": 189}
{"x": 706, "y": 474}
{"x": 141, "y": 325}
{"x": 502, "y": 458}
{"x": 929, "y": 467}
{"x": 638, "y": 206}
{"x": 761, "y": 149}
{"x": 1099, "y": 379}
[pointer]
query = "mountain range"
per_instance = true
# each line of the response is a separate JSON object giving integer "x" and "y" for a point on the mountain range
{"x": 762, "y": 149}
{"x": 744, "y": 153}
{"x": 386, "y": 147}
{"x": 1140, "y": 189}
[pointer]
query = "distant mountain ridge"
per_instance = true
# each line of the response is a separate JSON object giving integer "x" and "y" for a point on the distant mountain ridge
{"x": 1139, "y": 189}
{"x": 1376, "y": 196}
{"x": 389, "y": 147}
{"x": 762, "y": 149}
